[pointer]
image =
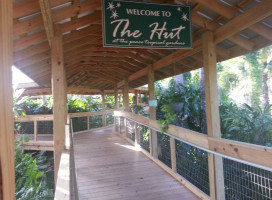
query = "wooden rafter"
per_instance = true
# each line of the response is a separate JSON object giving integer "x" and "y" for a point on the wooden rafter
{"x": 47, "y": 19}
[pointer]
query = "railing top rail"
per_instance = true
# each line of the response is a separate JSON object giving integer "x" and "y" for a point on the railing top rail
{"x": 29, "y": 118}
{"x": 256, "y": 155}
{"x": 84, "y": 114}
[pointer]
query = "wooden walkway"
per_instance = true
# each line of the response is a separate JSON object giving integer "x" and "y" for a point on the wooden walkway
{"x": 109, "y": 168}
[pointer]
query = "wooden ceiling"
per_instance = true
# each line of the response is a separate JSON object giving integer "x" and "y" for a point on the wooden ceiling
{"x": 239, "y": 26}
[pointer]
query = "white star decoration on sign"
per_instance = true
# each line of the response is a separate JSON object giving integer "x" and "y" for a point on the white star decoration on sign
{"x": 179, "y": 9}
{"x": 118, "y": 5}
{"x": 110, "y": 6}
{"x": 114, "y": 14}
{"x": 184, "y": 17}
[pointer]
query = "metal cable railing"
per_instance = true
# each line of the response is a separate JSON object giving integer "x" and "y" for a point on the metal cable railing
{"x": 243, "y": 180}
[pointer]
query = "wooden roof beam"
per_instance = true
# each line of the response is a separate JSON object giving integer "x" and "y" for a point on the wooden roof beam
{"x": 210, "y": 25}
{"x": 256, "y": 14}
{"x": 28, "y": 7}
{"x": 229, "y": 13}
{"x": 47, "y": 19}
{"x": 252, "y": 16}
{"x": 217, "y": 7}
{"x": 21, "y": 27}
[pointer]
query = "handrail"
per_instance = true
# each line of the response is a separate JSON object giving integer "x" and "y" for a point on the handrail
{"x": 62, "y": 190}
{"x": 73, "y": 185}
{"x": 35, "y": 119}
{"x": 30, "y": 118}
{"x": 66, "y": 185}
{"x": 84, "y": 114}
{"x": 255, "y": 155}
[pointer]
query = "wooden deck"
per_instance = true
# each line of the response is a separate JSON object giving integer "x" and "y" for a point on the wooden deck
{"x": 108, "y": 167}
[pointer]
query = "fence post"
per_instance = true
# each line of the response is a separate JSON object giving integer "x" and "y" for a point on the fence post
{"x": 173, "y": 154}
{"x": 88, "y": 122}
{"x": 35, "y": 130}
{"x": 120, "y": 125}
{"x": 103, "y": 109}
{"x": 126, "y": 126}
{"x": 136, "y": 134}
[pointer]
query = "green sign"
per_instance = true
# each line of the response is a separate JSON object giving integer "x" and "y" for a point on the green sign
{"x": 146, "y": 25}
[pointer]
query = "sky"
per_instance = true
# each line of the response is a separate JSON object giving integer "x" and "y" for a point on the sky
{"x": 19, "y": 77}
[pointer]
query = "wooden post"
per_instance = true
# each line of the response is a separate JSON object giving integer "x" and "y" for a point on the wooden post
{"x": 7, "y": 183}
{"x": 103, "y": 109}
{"x": 136, "y": 98}
{"x": 59, "y": 98}
{"x": 35, "y": 130}
{"x": 88, "y": 122}
{"x": 216, "y": 174}
{"x": 173, "y": 154}
{"x": 136, "y": 134}
{"x": 126, "y": 126}
{"x": 116, "y": 105}
{"x": 126, "y": 97}
{"x": 152, "y": 109}
{"x": 116, "y": 97}
{"x": 120, "y": 125}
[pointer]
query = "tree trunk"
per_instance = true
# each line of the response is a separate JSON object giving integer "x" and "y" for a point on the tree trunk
{"x": 179, "y": 80}
{"x": 265, "y": 89}
{"x": 255, "y": 71}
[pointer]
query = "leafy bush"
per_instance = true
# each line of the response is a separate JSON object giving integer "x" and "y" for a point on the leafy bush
{"x": 247, "y": 124}
{"x": 30, "y": 174}
{"x": 181, "y": 105}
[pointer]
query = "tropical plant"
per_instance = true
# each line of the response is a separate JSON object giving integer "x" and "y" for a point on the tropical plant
{"x": 247, "y": 124}
{"x": 30, "y": 174}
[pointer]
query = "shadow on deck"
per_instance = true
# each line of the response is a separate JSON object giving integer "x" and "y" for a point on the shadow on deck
{"x": 108, "y": 167}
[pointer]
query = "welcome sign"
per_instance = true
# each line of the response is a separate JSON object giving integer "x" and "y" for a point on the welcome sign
{"x": 146, "y": 25}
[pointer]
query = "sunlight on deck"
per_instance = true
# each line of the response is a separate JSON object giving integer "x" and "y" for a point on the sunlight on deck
{"x": 134, "y": 148}
{"x": 109, "y": 168}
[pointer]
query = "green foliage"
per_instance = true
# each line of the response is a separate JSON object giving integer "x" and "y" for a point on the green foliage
{"x": 169, "y": 117}
{"x": 88, "y": 104}
{"x": 109, "y": 101}
{"x": 227, "y": 81}
{"x": 30, "y": 174}
{"x": 138, "y": 109}
{"x": 247, "y": 124}
{"x": 181, "y": 105}
{"x": 256, "y": 78}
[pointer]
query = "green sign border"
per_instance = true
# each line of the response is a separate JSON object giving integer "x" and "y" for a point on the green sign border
{"x": 144, "y": 46}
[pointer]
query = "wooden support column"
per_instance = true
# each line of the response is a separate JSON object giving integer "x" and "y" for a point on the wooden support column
{"x": 103, "y": 109}
{"x": 136, "y": 97}
{"x": 116, "y": 98}
{"x": 126, "y": 97}
{"x": 59, "y": 97}
{"x": 216, "y": 174}
{"x": 116, "y": 106}
{"x": 152, "y": 110}
{"x": 126, "y": 105}
{"x": 7, "y": 182}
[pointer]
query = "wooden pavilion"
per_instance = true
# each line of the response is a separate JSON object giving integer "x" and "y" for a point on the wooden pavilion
{"x": 58, "y": 43}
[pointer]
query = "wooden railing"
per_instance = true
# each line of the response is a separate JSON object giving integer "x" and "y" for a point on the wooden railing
{"x": 37, "y": 141}
{"x": 86, "y": 120}
{"x": 66, "y": 182}
{"x": 244, "y": 153}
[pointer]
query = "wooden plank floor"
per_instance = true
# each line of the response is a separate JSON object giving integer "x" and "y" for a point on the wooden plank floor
{"x": 109, "y": 168}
